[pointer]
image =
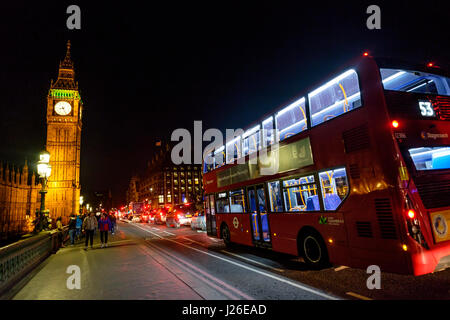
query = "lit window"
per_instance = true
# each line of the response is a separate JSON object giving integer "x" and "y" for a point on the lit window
{"x": 275, "y": 196}
{"x": 233, "y": 149}
{"x": 237, "y": 200}
{"x": 301, "y": 194}
{"x": 267, "y": 132}
{"x": 415, "y": 81}
{"x": 161, "y": 198}
{"x": 251, "y": 141}
{"x": 219, "y": 157}
{"x": 222, "y": 202}
{"x": 208, "y": 162}
{"x": 334, "y": 186}
{"x": 196, "y": 180}
{"x": 291, "y": 120}
{"x": 334, "y": 98}
{"x": 430, "y": 158}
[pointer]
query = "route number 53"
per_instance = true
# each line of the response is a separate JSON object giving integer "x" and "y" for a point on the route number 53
{"x": 425, "y": 109}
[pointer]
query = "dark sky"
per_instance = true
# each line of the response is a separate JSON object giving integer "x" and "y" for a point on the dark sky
{"x": 145, "y": 70}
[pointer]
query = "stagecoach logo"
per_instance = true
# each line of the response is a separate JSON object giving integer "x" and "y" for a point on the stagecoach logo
{"x": 440, "y": 225}
{"x": 428, "y": 135}
{"x": 235, "y": 222}
{"x": 323, "y": 220}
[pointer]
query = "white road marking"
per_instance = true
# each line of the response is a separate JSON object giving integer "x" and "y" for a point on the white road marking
{"x": 172, "y": 234}
{"x": 253, "y": 261}
{"x": 275, "y": 277}
{"x": 264, "y": 273}
{"x": 358, "y": 296}
{"x": 153, "y": 228}
{"x": 202, "y": 244}
{"x": 198, "y": 272}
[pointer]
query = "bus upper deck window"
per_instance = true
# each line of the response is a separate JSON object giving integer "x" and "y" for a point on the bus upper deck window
{"x": 251, "y": 141}
{"x": 334, "y": 98}
{"x": 219, "y": 157}
{"x": 291, "y": 120}
{"x": 267, "y": 132}
{"x": 233, "y": 150}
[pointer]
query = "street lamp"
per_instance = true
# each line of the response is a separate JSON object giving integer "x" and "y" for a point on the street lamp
{"x": 44, "y": 169}
{"x": 81, "y": 205}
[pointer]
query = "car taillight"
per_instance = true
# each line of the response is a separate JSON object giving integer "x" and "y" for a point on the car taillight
{"x": 395, "y": 124}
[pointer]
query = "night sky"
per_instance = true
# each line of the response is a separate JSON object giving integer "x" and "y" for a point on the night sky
{"x": 144, "y": 71}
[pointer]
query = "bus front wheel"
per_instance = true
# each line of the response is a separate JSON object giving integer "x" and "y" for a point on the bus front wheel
{"x": 225, "y": 232}
{"x": 314, "y": 250}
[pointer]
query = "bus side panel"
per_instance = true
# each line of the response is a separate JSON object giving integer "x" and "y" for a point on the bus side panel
{"x": 241, "y": 234}
{"x": 286, "y": 227}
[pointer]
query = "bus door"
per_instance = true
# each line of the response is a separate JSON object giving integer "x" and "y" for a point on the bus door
{"x": 210, "y": 216}
{"x": 258, "y": 214}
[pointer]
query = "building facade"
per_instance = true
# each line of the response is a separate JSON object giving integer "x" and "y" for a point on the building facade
{"x": 19, "y": 199}
{"x": 64, "y": 113}
{"x": 164, "y": 183}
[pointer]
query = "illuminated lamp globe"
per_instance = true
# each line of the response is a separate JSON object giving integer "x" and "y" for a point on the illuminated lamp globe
{"x": 44, "y": 169}
{"x": 44, "y": 157}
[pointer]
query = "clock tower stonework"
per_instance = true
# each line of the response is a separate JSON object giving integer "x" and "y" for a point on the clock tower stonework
{"x": 64, "y": 109}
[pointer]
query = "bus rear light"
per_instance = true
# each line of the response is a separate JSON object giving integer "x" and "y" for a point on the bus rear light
{"x": 395, "y": 124}
{"x": 405, "y": 247}
{"x": 330, "y": 240}
{"x": 411, "y": 214}
{"x": 366, "y": 54}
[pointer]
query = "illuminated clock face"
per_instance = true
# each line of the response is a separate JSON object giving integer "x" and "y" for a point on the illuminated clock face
{"x": 63, "y": 108}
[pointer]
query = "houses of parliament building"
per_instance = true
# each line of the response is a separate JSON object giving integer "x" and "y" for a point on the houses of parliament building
{"x": 19, "y": 187}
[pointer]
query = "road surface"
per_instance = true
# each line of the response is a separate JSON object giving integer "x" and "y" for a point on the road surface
{"x": 144, "y": 261}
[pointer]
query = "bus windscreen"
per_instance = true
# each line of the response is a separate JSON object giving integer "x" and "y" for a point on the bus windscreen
{"x": 436, "y": 158}
{"x": 415, "y": 81}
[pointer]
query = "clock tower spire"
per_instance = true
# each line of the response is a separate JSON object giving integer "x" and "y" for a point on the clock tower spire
{"x": 64, "y": 109}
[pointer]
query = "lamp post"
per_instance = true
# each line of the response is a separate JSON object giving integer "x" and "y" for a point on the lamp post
{"x": 44, "y": 169}
{"x": 81, "y": 205}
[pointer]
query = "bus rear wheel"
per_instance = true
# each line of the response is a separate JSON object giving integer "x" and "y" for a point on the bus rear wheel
{"x": 225, "y": 233}
{"x": 314, "y": 251}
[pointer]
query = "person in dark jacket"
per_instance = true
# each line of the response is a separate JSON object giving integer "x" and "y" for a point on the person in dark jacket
{"x": 112, "y": 217}
{"x": 72, "y": 228}
{"x": 104, "y": 226}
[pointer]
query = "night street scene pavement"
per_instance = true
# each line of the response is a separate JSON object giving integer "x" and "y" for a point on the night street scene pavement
{"x": 228, "y": 160}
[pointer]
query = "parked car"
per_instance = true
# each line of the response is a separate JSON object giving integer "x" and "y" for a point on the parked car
{"x": 198, "y": 221}
{"x": 136, "y": 218}
{"x": 181, "y": 215}
{"x": 160, "y": 216}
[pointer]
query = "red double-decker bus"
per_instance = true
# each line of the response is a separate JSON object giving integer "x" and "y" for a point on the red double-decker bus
{"x": 356, "y": 172}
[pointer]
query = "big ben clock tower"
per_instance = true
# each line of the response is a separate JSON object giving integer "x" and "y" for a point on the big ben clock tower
{"x": 64, "y": 109}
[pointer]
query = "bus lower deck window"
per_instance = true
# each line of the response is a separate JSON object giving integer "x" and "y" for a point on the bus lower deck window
{"x": 301, "y": 194}
{"x": 334, "y": 186}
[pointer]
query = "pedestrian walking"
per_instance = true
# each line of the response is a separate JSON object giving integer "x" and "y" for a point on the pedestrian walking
{"x": 72, "y": 228}
{"x": 89, "y": 226}
{"x": 112, "y": 217}
{"x": 78, "y": 225}
{"x": 59, "y": 226}
{"x": 104, "y": 226}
